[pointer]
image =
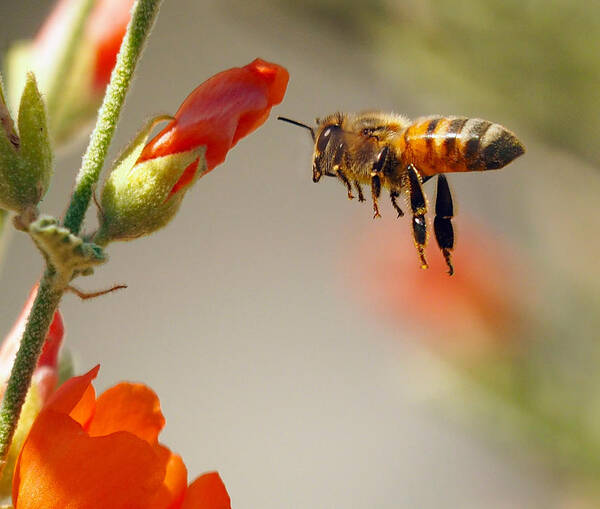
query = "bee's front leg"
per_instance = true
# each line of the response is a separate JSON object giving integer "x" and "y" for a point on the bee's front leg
{"x": 359, "y": 190}
{"x": 342, "y": 176}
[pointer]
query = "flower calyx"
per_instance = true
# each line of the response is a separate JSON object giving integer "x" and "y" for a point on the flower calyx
{"x": 139, "y": 198}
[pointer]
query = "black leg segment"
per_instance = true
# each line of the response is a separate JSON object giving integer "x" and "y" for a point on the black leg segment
{"x": 394, "y": 195}
{"x": 442, "y": 224}
{"x": 418, "y": 206}
{"x": 361, "y": 196}
{"x": 375, "y": 192}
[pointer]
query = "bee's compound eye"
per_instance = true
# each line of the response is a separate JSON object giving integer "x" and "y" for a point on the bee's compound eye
{"x": 325, "y": 136}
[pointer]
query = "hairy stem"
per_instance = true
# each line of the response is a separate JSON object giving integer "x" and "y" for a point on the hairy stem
{"x": 144, "y": 13}
{"x": 40, "y": 318}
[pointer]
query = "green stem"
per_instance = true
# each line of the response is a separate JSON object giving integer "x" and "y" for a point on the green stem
{"x": 144, "y": 13}
{"x": 67, "y": 56}
{"x": 52, "y": 286}
{"x": 40, "y": 318}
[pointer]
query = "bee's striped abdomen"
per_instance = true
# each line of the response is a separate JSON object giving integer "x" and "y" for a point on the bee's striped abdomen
{"x": 447, "y": 144}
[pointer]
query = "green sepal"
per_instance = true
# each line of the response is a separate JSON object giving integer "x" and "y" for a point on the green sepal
{"x": 132, "y": 152}
{"x": 68, "y": 254}
{"x": 10, "y": 164}
{"x": 137, "y": 198}
{"x": 26, "y": 161}
{"x": 36, "y": 151}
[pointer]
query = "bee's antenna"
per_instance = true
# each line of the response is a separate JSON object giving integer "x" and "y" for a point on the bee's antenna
{"x": 299, "y": 124}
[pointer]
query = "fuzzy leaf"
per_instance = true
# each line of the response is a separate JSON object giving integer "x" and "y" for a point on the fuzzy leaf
{"x": 68, "y": 254}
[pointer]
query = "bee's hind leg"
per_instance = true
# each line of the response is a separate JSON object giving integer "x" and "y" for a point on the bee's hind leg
{"x": 442, "y": 224}
{"x": 418, "y": 206}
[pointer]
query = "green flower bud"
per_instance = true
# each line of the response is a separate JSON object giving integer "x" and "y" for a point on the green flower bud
{"x": 26, "y": 159}
{"x": 138, "y": 198}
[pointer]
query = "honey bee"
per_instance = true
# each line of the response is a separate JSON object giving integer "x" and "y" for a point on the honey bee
{"x": 386, "y": 150}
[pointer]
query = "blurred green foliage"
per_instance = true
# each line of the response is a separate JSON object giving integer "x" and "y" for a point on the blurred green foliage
{"x": 530, "y": 60}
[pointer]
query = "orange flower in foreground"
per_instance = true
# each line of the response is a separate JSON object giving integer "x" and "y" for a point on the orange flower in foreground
{"x": 84, "y": 452}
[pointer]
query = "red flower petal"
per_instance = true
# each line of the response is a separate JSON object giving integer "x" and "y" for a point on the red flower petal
{"x": 220, "y": 111}
{"x": 60, "y": 466}
{"x": 68, "y": 395}
{"x": 207, "y": 492}
{"x": 56, "y": 332}
{"x": 128, "y": 407}
{"x": 171, "y": 493}
{"x": 10, "y": 345}
{"x": 105, "y": 30}
{"x": 84, "y": 410}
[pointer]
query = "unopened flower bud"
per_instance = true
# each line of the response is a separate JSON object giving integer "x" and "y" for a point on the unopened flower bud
{"x": 26, "y": 158}
{"x": 147, "y": 184}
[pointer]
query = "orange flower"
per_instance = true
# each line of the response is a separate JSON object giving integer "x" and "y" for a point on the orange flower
{"x": 481, "y": 306}
{"x": 104, "y": 31}
{"x": 84, "y": 452}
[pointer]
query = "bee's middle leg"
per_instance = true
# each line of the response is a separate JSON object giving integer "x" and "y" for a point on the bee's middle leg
{"x": 376, "y": 171}
{"x": 418, "y": 206}
{"x": 375, "y": 192}
{"x": 359, "y": 190}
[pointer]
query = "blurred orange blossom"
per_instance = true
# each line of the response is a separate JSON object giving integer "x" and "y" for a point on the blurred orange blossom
{"x": 481, "y": 306}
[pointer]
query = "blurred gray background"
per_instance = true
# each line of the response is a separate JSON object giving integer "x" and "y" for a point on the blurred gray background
{"x": 270, "y": 368}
